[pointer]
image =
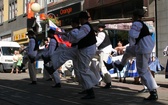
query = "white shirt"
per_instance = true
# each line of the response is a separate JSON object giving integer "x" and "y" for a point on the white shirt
{"x": 100, "y": 38}
{"x": 146, "y": 44}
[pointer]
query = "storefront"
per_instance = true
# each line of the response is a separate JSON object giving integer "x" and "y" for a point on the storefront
{"x": 66, "y": 13}
{"x": 20, "y": 36}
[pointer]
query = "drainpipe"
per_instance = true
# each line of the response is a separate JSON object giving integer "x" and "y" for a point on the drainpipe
{"x": 156, "y": 32}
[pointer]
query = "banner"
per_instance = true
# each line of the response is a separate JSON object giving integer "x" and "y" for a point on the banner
{"x": 58, "y": 37}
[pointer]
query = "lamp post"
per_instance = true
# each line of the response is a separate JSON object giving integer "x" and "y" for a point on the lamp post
{"x": 36, "y": 8}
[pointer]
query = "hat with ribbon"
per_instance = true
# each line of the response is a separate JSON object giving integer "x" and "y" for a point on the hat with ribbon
{"x": 51, "y": 31}
{"x": 83, "y": 15}
{"x": 138, "y": 12}
{"x": 101, "y": 25}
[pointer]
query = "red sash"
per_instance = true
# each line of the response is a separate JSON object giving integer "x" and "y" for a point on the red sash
{"x": 59, "y": 40}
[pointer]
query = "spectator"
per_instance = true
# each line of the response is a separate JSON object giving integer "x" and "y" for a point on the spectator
{"x": 17, "y": 58}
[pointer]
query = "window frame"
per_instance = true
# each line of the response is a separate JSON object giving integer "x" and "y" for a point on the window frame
{"x": 12, "y": 13}
{"x": 1, "y": 15}
{"x": 25, "y": 3}
{"x": 1, "y": 12}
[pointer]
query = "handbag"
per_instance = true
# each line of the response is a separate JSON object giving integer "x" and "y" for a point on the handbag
{"x": 19, "y": 62}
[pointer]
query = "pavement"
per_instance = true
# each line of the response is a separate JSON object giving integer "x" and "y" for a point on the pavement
{"x": 14, "y": 90}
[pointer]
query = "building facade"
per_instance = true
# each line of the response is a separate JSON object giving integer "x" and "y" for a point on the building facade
{"x": 13, "y": 26}
{"x": 162, "y": 27}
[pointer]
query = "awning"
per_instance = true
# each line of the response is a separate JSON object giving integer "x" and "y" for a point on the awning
{"x": 112, "y": 21}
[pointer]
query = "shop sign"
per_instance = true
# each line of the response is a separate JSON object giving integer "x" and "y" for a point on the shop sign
{"x": 67, "y": 10}
{"x": 19, "y": 36}
{"x": 22, "y": 36}
{"x": 127, "y": 26}
{"x": 16, "y": 37}
{"x": 65, "y": 14}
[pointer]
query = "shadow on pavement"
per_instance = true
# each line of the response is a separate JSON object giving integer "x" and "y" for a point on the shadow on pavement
{"x": 20, "y": 93}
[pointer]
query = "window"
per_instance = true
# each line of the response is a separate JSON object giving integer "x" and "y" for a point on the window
{"x": 49, "y": 1}
{"x": 12, "y": 9}
{"x": 25, "y": 2}
{"x": 1, "y": 15}
{"x": 1, "y": 12}
{"x": 9, "y": 50}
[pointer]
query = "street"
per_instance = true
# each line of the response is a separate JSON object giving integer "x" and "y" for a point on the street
{"x": 14, "y": 90}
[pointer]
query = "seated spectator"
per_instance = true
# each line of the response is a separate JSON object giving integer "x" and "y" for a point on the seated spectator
{"x": 120, "y": 48}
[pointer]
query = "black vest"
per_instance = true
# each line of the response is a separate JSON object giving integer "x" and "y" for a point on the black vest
{"x": 144, "y": 32}
{"x": 88, "y": 40}
{"x": 105, "y": 42}
{"x": 36, "y": 44}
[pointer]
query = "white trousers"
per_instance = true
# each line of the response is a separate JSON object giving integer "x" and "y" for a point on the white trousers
{"x": 32, "y": 71}
{"x": 56, "y": 77}
{"x": 84, "y": 57}
{"x": 46, "y": 75}
{"x": 142, "y": 66}
{"x": 60, "y": 56}
{"x": 106, "y": 75}
{"x": 94, "y": 66}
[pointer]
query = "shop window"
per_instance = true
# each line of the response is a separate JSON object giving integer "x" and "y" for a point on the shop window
{"x": 12, "y": 9}
{"x": 49, "y": 1}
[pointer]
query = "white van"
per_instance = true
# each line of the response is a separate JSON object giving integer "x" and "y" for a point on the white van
{"x": 7, "y": 49}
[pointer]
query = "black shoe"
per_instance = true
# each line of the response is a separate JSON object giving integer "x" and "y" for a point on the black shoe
{"x": 124, "y": 81}
{"x": 107, "y": 86}
{"x": 58, "y": 85}
{"x": 108, "y": 66}
{"x": 88, "y": 97}
{"x": 33, "y": 83}
{"x": 90, "y": 94}
{"x": 153, "y": 96}
{"x": 50, "y": 70}
{"x": 83, "y": 92}
{"x": 50, "y": 79}
{"x": 143, "y": 91}
{"x": 119, "y": 66}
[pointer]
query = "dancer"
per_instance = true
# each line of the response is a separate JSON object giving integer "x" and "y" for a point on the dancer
{"x": 140, "y": 46}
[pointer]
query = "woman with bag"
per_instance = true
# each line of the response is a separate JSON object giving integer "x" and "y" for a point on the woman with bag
{"x": 17, "y": 58}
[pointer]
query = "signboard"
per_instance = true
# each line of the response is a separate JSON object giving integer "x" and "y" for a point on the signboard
{"x": 19, "y": 36}
{"x": 16, "y": 37}
{"x": 127, "y": 26}
{"x": 22, "y": 36}
{"x": 65, "y": 14}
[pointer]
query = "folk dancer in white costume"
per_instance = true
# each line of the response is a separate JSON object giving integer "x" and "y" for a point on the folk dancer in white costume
{"x": 165, "y": 53}
{"x": 104, "y": 49}
{"x": 64, "y": 53}
{"x": 86, "y": 42}
{"x": 32, "y": 52}
{"x": 141, "y": 46}
{"x": 47, "y": 53}
{"x": 46, "y": 75}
